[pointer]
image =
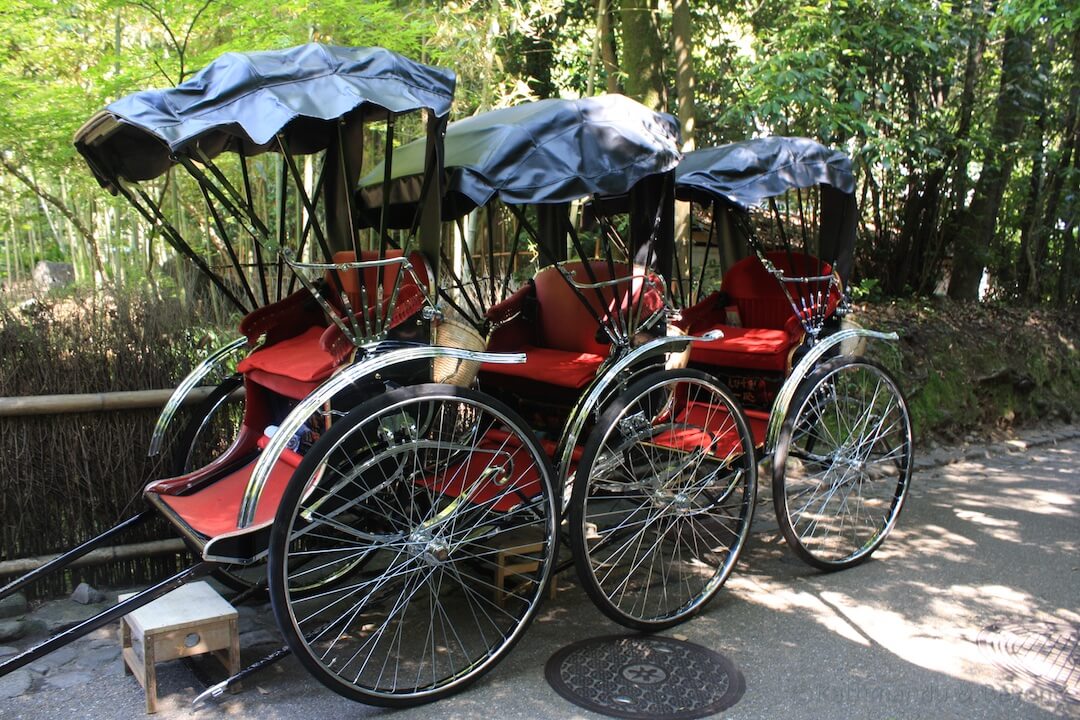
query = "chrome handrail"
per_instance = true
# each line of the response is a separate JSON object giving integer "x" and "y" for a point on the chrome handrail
{"x": 325, "y": 392}
{"x": 185, "y": 387}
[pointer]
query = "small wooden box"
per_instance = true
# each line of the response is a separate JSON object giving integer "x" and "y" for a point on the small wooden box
{"x": 191, "y": 620}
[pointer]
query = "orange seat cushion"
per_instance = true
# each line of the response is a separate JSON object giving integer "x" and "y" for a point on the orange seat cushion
{"x": 557, "y": 367}
{"x": 300, "y": 358}
{"x": 749, "y": 348}
{"x": 213, "y": 510}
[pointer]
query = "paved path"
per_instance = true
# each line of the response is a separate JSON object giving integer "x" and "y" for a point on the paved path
{"x": 989, "y": 542}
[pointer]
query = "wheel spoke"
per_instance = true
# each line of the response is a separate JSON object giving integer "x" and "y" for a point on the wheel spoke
{"x": 654, "y": 489}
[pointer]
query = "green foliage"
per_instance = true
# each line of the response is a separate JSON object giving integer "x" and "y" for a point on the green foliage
{"x": 867, "y": 290}
{"x": 885, "y": 80}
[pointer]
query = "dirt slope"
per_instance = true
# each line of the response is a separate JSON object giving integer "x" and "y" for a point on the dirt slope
{"x": 973, "y": 371}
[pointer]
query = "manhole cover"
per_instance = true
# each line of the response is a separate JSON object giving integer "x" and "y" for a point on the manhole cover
{"x": 644, "y": 677}
{"x": 1045, "y": 654}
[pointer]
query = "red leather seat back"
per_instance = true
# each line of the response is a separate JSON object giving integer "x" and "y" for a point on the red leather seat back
{"x": 565, "y": 321}
{"x": 759, "y": 296}
{"x": 375, "y": 278}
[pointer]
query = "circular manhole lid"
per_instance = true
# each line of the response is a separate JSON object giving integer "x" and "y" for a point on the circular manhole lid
{"x": 644, "y": 677}
{"x": 1045, "y": 654}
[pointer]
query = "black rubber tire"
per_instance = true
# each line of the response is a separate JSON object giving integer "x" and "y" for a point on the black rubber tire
{"x": 691, "y": 516}
{"x": 841, "y": 437}
{"x": 419, "y": 541}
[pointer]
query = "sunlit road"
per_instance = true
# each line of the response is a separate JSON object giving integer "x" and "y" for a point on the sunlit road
{"x": 970, "y": 610}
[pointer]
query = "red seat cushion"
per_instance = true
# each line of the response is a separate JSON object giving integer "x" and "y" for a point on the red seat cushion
{"x": 750, "y": 348}
{"x": 213, "y": 510}
{"x": 709, "y": 427}
{"x": 300, "y": 358}
{"x": 770, "y": 327}
{"x": 556, "y": 367}
{"x": 702, "y": 427}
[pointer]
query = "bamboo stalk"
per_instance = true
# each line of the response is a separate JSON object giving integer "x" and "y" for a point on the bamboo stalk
{"x": 100, "y": 556}
{"x": 92, "y": 402}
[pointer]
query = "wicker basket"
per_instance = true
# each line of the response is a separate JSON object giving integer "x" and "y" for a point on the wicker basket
{"x": 457, "y": 334}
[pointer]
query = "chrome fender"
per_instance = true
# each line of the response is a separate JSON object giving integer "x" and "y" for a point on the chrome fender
{"x": 781, "y": 405}
{"x": 325, "y": 392}
{"x": 185, "y": 387}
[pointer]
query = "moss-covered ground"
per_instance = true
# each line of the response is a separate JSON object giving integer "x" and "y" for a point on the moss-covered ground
{"x": 980, "y": 370}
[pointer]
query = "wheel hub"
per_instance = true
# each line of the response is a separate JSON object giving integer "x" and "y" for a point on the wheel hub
{"x": 857, "y": 465}
{"x": 436, "y": 553}
{"x": 432, "y": 550}
{"x": 667, "y": 498}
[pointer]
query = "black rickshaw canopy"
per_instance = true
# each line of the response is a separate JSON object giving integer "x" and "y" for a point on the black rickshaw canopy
{"x": 746, "y": 175}
{"x": 305, "y": 100}
{"x": 242, "y": 101}
{"x": 546, "y": 152}
{"x": 749, "y": 172}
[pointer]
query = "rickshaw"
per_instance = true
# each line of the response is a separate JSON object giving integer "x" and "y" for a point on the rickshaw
{"x": 407, "y": 529}
{"x": 778, "y": 217}
{"x": 373, "y": 499}
{"x": 559, "y": 224}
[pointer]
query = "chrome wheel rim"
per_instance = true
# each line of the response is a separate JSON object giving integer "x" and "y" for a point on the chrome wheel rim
{"x": 425, "y": 495}
{"x": 847, "y": 467}
{"x": 668, "y": 501}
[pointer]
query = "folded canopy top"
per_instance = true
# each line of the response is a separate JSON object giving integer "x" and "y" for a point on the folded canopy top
{"x": 242, "y": 101}
{"x": 748, "y": 172}
{"x": 549, "y": 151}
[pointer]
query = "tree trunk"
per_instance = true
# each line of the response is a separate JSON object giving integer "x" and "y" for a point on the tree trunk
{"x": 607, "y": 46}
{"x": 1066, "y": 294}
{"x": 1066, "y": 277}
{"x": 958, "y": 151}
{"x": 643, "y": 53}
{"x": 979, "y": 222}
{"x": 1027, "y": 270}
{"x": 682, "y": 40}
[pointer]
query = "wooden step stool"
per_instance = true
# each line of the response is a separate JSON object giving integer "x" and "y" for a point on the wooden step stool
{"x": 191, "y": 620}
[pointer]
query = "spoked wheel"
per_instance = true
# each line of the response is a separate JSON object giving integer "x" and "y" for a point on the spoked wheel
{"x": 388, "y": 556}
{"x": 842, "y": 463}
{"x": 664, "y": 499}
